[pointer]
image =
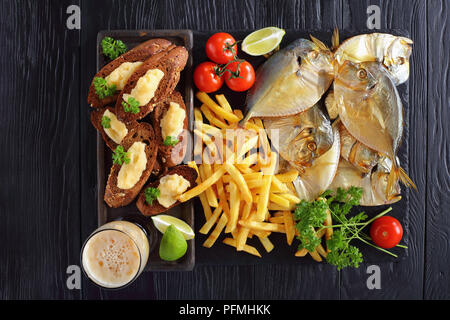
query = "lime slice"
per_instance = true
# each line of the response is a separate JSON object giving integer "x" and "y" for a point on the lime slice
{"x": 262, "y": 41}
{"x": 173, "y": 245}
{"x": 162, "y": 221}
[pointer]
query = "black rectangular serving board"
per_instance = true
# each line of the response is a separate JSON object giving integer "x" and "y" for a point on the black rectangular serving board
{"x": 184, "y": 211}
{"x": 222, "y": 254}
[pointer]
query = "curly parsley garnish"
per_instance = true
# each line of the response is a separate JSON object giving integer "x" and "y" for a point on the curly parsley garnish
{"x": 113, "y": 48}
{"x": 170, "y": 141}
{"x": 310, "y": 220}
{"x": 106, "y": 122}
{"x": 132, "y": 105}
{"x": 120, "y": 156}
{"x": 102, "y": 89}
{"x": 151, "y": 194}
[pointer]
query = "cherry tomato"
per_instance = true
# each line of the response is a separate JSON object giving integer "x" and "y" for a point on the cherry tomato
{"x": 386, "y": 232}
{"x": 239, "y": 76}
{"x": 217, "y": 47}
{"x": 205, "y": 77}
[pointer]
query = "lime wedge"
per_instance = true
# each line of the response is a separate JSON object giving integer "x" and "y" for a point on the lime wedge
{"x": 262, "y": 41}
{"x": 163, "y": 221}
{"x": 173, "y": 245}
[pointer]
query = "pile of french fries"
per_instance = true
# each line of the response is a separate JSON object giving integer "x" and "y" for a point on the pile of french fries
{"x": 241, "y": 195}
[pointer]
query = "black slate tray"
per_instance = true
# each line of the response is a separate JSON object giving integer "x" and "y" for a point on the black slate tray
{"x": 222, "y": 254}
{"x": 184, "y": 211}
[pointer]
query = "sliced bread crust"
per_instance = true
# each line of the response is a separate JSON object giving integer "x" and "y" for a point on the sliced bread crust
{"x": 116, "y": 197}
{"x": 187, "y": 172}
{"x": 139, "y": 53}
{"x": 170, "y": 155}
{"x": 96, "y": 119}
{"x": 171, "y": 64}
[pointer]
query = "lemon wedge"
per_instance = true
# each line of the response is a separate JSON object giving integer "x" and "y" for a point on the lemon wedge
{"x": 262, "y": 41}
{"x": 163, "y": 221}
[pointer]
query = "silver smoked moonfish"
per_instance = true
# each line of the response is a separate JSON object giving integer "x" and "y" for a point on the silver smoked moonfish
{"x": 291, "y": 81}
{"x": 370, "y": 108}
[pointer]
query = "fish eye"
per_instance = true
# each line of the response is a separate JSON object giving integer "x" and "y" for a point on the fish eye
{"x": 400, "y": 60}
{"x": 362, "y": 74}
{"x": 313, "y": 54}
{"x": 312, "y": 146}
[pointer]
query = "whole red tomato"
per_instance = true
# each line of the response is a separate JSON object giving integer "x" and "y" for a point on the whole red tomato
{"x": 386, "y": 232}
{"x": 218, "y": 47}
{"x": 206, "y": 78}
{"x": 239, "y": 76}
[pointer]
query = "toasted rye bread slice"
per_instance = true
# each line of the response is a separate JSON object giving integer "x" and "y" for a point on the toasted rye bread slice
{"x": 116, "y": 197}
{"x": 187, "y": 172}
{"x": 96, "y": 119}
{"x": 139, "y": 53}
{"x": 170, "y": 155}
{"x": 171, "y": 65}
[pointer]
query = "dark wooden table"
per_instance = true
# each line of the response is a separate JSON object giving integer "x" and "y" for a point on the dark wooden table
{"x": 48, "y": 161}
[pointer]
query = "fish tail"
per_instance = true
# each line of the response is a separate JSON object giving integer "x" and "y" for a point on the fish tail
{"x": 335, "y": 39}
{"x": 397, "y": 173}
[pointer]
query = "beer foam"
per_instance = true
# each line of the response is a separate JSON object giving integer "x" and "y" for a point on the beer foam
{"x": 111, "y": 258}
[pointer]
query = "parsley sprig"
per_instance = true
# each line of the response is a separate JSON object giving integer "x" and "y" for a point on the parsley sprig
{"x": 132, "y": 105}
{"x": 106, "y": 122}
{"x": 170, "y": 141}
{"x": 120, "y": 156}
{"x": 102, "y": 89}
{"x": 310, "y": 217}
{"x": 113, "y": 48}
{"x": 151, "y": 194}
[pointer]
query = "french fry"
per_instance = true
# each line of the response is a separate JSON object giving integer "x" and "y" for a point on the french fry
{"x": 246, "y": 210}
{"x": 279, "y": 220}
{"x": 214, "y": 107}
{"x": 240, "y": 181}
{"x": 301, "y": 253}
{"x": 263, "y": 226}
{"x": 273, "y": 206}
{"x": 289, "y": 226}
{"x": 206, "y": 171}
{"x": 202, "y": 186}
{"x": 253, "y": 176}
{"x": 247, "y": 248}
{"x": 288, "y": 176}
{"x": 315, "y": 255}
{"x": 222, "y": 196}
{"x": 263, "y": 197}
{"x": 206, "y": 208}
{"x": 278, "y": 186}
{"x": 260, "y": 233}
{"x": 290, "y": 197}
{"x": 208, "y": 129}
{"x": 321, "y": 250}
{"x": 279, "y": 200}
{"x": 267, "y": 244}
{"x": 238, "y": 114}
{"x": 212, "y": 118}
{"x": 234, "y": 207}
{"x": 223, "y": 102}
{"x": 242, "y": 238}
{"x": 253, "y": 184}
{"x": 209, "y": 242}
{"x": 211, "y": 221}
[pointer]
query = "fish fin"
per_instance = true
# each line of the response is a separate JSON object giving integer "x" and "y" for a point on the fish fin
{"x": 397, "y": 173}
{"x": 335, "y": 39}
{"x": 318, "y": 43}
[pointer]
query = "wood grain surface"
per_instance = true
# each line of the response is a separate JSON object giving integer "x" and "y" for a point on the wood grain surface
{"x": 48, "y": 165}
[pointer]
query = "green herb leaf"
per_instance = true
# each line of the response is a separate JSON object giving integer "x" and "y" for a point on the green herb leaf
{"x": 151, "y": 194}
{"x": 106, "y": 122}
{"x": 113, "y": 48}
{"x": 170, "y": 141}
{"x": 120, "y": 156}
{"x": 102, "y": 89}
{"x": 132, "y": 105}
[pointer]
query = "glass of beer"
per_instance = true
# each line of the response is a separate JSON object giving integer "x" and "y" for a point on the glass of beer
{"x": 115, "y": 254}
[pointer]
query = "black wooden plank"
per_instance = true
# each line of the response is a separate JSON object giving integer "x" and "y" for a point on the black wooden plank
{"x": 437, "y": 250}
{"x": 403, "y": 279}
{"x": 308, "y": 281}
{"x": 39, "y": 167}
